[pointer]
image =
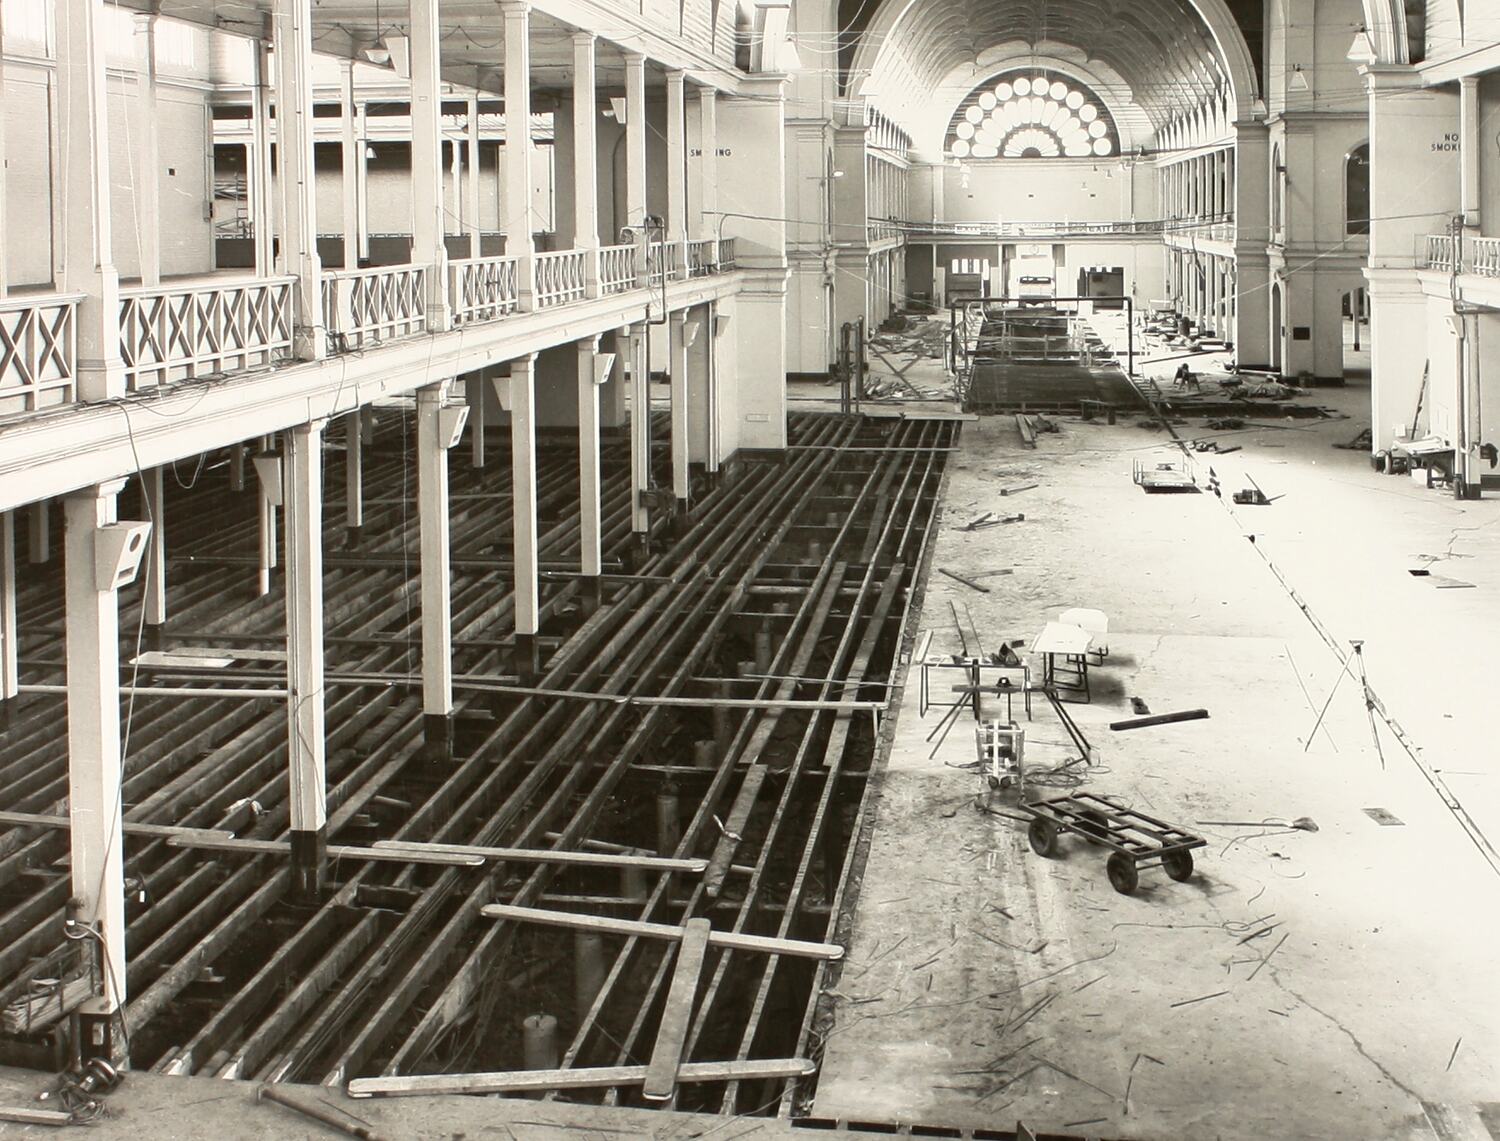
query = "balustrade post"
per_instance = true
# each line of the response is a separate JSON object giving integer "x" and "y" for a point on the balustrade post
{"x": 518, "y": 228}
{"x": 585, "y": 161}
{"x": 428, "y": 248}
{"x": 677, "y": 231}
{"x": 85, "y": 254}
{"x": 292, "y": 24}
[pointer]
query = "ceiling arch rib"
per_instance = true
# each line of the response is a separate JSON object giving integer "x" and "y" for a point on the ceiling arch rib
{"x": 1167, "y": 55}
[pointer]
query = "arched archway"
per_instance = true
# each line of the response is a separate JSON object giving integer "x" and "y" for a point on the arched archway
{"x": 1357, "y": 190}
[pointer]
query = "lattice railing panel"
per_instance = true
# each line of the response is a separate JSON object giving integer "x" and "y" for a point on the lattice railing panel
{"x": 174, "y": 332}
{"x": 560, "y": 277}
{"x": 38, "y": 351}
{"x": 372, "y": 305}
{"x": 481, "y": 289}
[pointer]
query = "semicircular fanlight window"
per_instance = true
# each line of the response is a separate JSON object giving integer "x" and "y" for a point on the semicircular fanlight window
{"x": 1031, "y": 114}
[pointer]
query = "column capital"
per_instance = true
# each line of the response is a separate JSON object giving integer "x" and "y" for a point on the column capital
{"x": 515, "y": 9}
{"x": 526, "y": 362}
{"x": 632, "y": 58}
{"x": 584, "y": 39}
{"x": 589, "y": 344}
{"x": 678, "y": 317}
{"x": 676, "y": 77}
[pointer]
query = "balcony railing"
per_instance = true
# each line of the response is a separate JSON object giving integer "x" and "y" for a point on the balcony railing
{"x": 38, "y": 351}
{"x": 1443, "y": 252}
{"x": 726, "y": 254}
{"x": 702, "y": 257}
{"x": 481, "y": 289}
{"x": 1486, "y": 256}
{"x": 363, "y": 306}
{"x": 665, "y": 261}
{"x": 560, "y": 277}
{"x": 616, "y": 269}
{"x": 173, "y": 332}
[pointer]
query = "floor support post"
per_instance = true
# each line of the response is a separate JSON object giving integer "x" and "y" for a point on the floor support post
{"x": 592, "y": 369}
{"x": 306, "y": 744}
{"x": 525, "y": 556}
{"x": 434, "y": 437}
{"x": 96, "y": 831}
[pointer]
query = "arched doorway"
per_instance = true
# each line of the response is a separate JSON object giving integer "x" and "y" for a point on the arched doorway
{"x": 1277, "y": 331}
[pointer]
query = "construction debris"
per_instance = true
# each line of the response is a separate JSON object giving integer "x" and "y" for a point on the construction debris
{"x": 969, "y": 582}
{"x": 1160, "y": 719}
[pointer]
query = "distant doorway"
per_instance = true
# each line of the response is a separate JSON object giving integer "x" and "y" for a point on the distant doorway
{"x": 1103, "y": 281}
{"x": 1355, "y": 308}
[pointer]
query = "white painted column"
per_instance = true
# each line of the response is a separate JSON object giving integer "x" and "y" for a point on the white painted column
{"x": 292, "y": 22}
{"x": 148, "y": 152}
{"x": 525, "y": 556}
{"x": 640, "y": 431}
{"x": 474, "y": 398}
{"x": 4, "y": 278}
{"x": 590, "y": 510}
{"x": 433, "y": 441}
{"x": 708, "y": 163}
{"x": 153, "y": 492}
{"x": 306, "y": 741}
{"x": 678, "y": 363}
{"x": 362, "y": 181}
{"x": 427, "y": 248}
{"x": 10, "y": 632}
{"x": 354, "y": 475}
{"x": 677, "y": 223}
{"x": 635, "y": 142}
{"x": 471, "y": 184}
{"x": 94, "y": 762}
{"x": 352, "y": 152}
{"x": 258, "y": 182}
{"x": 455, "y": 218}
{"x": 85, "y": 255}
{"x": 1468, "y": 148}
{"x": 586, "y": 159}
{"x": 518, "y": 224}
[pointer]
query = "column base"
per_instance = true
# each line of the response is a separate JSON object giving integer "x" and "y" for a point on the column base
{"x": 97, "y": 1036}
{"x": 155, "y": 636}
{"x": 309, "y": 866}
{"x": 352, "y": 536}
{"x": 1462, "y": 489}
{"x": 437, "y": 736}
{"x": 527, "y": 659}
{"x": 681, "y": 520}
{"x": 590, "y": 594}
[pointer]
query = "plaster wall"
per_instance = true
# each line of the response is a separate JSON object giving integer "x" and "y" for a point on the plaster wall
{"x": 1032, "y": 190}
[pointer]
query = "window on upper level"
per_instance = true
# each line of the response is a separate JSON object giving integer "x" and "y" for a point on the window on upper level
{"x": 1357, "y": 190}
{"x": 1031, "y": 115}
{"x": 1278, "y": 182}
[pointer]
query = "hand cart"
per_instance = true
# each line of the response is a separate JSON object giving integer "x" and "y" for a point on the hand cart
{"x": 1134, "y": 839}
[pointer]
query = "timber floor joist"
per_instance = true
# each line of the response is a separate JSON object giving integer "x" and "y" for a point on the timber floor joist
{"x": 788, "y": 584}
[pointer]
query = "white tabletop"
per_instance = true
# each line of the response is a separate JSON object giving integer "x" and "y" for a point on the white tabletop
{"x": 1061, "y": 638}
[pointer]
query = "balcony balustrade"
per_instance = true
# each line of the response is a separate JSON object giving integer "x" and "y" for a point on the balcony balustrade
{"x": 365, "y": 306}
{"x": 182, "y": 330}
{"x": 560, "y": 277}
{"x": 38, "y": 351}
{"x": 481, "y": 289}
{"x": 617, "y": 269}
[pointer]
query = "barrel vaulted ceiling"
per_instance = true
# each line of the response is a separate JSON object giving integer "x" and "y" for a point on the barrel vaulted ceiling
{"x": 1152, "y": 61}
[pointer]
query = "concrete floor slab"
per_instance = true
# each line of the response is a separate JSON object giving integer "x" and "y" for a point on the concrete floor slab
{"x": 985, "y": 983}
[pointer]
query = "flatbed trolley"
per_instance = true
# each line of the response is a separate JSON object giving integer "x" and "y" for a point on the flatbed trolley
{"x": 1134, "y": 839}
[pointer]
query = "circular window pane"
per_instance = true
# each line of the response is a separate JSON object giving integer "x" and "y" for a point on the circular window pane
{"x": 961, "y": 148}
{"x": 1075, "y": 99}
{"x": 1102, "y": 147}
{"x": 1088, "y": 113}
{"x": 964, "y": 130}
{"x": 974, "y": 115}
{"x": 1023, "y": 86}
{"x": 1058, "y": 90}
{"x": 1096, "y": 129}
{"x": 1004, "y": 92}
{"x": 987, "y": 100}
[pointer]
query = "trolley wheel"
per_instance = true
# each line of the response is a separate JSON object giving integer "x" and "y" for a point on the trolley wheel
{"x": 1123, "y": 876}
{"x": 1093, "y": 824}
{"x": 1043, "y": 836}
{"x": 1178, "y": 865}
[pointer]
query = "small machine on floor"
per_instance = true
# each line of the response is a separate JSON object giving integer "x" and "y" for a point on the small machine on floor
{"x": 1002, "y": 748}
{"x": 1134, "y": 839}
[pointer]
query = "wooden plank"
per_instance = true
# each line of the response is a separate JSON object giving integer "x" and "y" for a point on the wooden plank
{"x": 39, "y": 820}
{"x": 732, "y": 939}
{"x": 523, "y": 1081}
{"x": 335, "y": 851}
{"x": 671, "y": 1034}
{"x": 24, "y": 1116}
{"x": 552, "y": 856}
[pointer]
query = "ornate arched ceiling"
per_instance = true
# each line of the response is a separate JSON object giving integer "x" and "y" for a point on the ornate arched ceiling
{"x": 1171, "y": 56}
